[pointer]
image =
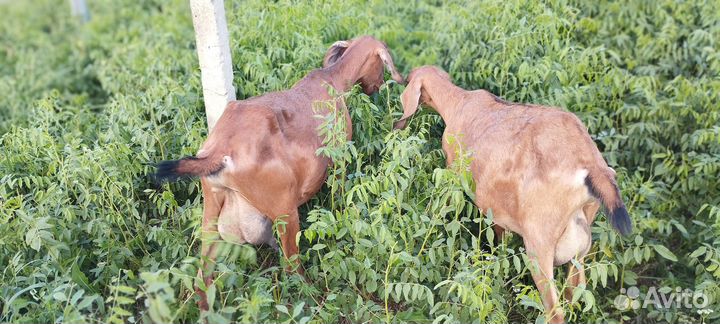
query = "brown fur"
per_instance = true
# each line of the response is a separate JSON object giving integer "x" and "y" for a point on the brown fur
{"x": 262, "y": 150}
{"x": 528, "y": 163}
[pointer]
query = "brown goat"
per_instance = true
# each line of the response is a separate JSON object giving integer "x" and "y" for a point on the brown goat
{"x": 259, "y": 162}
{"x": 535, "y": 167}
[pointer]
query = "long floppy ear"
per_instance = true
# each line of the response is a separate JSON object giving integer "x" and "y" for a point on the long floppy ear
{"x": 388, "y": 62}
{"x": 410, "y": 100}
{"x": 335, "y": 52}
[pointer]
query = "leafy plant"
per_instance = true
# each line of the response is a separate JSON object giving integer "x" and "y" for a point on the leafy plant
{"x": 85, "y": 236}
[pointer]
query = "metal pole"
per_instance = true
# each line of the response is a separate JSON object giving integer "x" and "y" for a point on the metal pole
{"x": 213, "y": 47}
{"x": 79, "y": 8}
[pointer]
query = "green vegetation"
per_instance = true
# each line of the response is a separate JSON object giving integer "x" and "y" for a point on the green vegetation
{"x": 85, "y": 236}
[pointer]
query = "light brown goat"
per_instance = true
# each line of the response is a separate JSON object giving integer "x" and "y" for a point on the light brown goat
{"x": 259, "y": 163}
{"x": 535, "y": 167}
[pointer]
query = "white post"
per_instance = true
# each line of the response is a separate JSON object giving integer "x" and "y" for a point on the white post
{"x": 79, "y": 8}
{"x": 213, "y": 47}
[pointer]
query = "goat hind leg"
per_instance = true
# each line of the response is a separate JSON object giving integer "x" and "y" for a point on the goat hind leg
{"x": 541, "y": 268}
{"x": 576, "y": 277}
{"x": 288, "y": 243}
{"x": 209, "y": 237}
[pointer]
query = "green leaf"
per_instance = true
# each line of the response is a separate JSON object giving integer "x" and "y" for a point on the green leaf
{"x": 698, "y": 252}
{"x": 59, "y": 296}
{"x": 283, "y": 309}
{"x": 664, "y": 252}
{"x": 298, "y": 309}
{"x": 124, "y": 300}
{"x": 120, "y": 311}
{"x": 80, "y": 278}
{"x": 589, "y": 299}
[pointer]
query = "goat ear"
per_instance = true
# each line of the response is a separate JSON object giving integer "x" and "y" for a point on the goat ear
{"x": 410, "y": 101}
{"x": 388, "y": 62}
{"x": 335, "y": 52}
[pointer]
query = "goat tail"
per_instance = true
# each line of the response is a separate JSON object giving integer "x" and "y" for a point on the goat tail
{"x": 603, "y": 186}
{"x": 187, "y": 167}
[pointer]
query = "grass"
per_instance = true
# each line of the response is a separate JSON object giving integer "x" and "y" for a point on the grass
{"x": 85, "y": 236}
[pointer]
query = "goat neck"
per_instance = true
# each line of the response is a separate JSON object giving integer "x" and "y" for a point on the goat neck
{"x": 442, "y": 96}
{"x": 350, "y": 68}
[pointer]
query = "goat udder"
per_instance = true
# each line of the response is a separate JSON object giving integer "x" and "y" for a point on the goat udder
{"x": 239, "y": 222}
{"x": 575, "y": 240}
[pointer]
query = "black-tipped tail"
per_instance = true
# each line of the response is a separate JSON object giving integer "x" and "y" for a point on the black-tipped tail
{"x": 186, "y": 167}
{"x": 603, "y": 187}
{"x": 166, "y": 171}
{"x": 620, "y": 220}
